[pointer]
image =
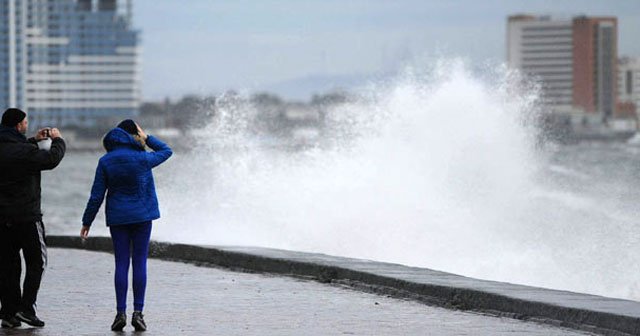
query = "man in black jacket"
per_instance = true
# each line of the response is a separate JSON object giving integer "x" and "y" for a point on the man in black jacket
{"x": 21, "y": 226}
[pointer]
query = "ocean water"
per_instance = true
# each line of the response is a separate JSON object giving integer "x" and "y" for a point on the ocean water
{"x": 437, "y": 169}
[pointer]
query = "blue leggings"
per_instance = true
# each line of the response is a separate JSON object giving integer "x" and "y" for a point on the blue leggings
{"x": 128, "y": 238}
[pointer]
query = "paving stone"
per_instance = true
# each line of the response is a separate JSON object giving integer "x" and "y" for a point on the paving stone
{"x": 77, "y": 298}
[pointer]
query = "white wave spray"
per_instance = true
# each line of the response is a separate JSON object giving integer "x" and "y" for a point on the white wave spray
{"x": 437, "y": 169}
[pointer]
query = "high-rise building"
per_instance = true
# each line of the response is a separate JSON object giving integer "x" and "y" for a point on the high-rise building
{"x": 69, "y": 62}
{"x": 629, "y": 80}
{"x": 574, "y": 59}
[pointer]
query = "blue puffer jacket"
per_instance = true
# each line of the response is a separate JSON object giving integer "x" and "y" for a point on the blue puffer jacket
{"x": 124, "y": 173}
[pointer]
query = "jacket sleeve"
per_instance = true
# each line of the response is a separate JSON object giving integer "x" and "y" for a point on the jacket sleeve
{"x": 40, "y": 159}
{"x": 161, "y": 152}
{"x": 98, "y": 190}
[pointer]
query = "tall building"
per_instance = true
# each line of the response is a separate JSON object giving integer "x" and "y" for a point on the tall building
{"x": 69, "y": 62}
{"x": 629, "y": 81}
{"x": 574, "y": 59}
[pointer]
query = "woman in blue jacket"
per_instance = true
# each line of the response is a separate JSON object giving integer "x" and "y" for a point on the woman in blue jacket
{"x": 124, "y": 174}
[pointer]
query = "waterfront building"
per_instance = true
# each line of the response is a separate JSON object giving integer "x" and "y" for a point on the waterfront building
{"x": 629, "y": 81}
{"x": 69, "y": 62}
{"x": 575, "y": 60}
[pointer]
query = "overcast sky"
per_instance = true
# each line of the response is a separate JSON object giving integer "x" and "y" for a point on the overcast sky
{"x": 292, "y": 46}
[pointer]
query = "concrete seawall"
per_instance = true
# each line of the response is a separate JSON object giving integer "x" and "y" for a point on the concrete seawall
{"x": 591, "y": 313}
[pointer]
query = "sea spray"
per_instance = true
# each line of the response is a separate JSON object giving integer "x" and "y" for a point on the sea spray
{"x": 436, "y": 168}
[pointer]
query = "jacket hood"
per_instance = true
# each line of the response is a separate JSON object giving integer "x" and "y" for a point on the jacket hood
{"x": 10, "y": 134}
{"x": 119, "y": 138}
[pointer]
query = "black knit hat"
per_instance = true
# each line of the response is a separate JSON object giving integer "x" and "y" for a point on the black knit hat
{"x": 129, "y": 126}
{"x": 12, "y": 117}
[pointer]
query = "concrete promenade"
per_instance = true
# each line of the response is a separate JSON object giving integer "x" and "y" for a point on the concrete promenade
{"x": 77, "y": 299}
{"x": 554, "y": 308}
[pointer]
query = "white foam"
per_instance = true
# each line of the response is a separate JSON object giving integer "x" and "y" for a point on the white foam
{"x": 437, "y": 169}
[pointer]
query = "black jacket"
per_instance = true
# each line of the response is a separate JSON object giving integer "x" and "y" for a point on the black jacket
{"x": 20, "y": 164}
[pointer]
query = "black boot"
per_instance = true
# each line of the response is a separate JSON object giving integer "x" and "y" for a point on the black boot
{"x": 137, "y": 321}
{"x": 29, "y": 319}
{"x": 119, "y": 322}
{"x": 10, "y": 322}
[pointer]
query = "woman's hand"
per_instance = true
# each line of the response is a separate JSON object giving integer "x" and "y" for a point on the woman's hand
{"x": 141, "y": 133}
{"x": 84, "y": 232}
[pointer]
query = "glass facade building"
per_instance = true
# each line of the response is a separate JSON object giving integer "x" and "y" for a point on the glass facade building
{"x": 69, "y": 62}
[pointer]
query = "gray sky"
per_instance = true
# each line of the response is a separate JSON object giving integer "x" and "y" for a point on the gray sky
{"x": 297, "y": 47}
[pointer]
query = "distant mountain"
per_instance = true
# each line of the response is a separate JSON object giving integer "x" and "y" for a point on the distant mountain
{"x": 302, "y": 88}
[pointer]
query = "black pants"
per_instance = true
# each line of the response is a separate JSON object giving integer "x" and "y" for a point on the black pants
{"x": 30, "y": 238}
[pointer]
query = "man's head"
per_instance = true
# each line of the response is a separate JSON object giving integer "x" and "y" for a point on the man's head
{"x": 15, "y": 118}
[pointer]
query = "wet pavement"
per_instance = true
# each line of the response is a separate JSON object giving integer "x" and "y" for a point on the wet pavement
{"x": 77, "y": 298}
